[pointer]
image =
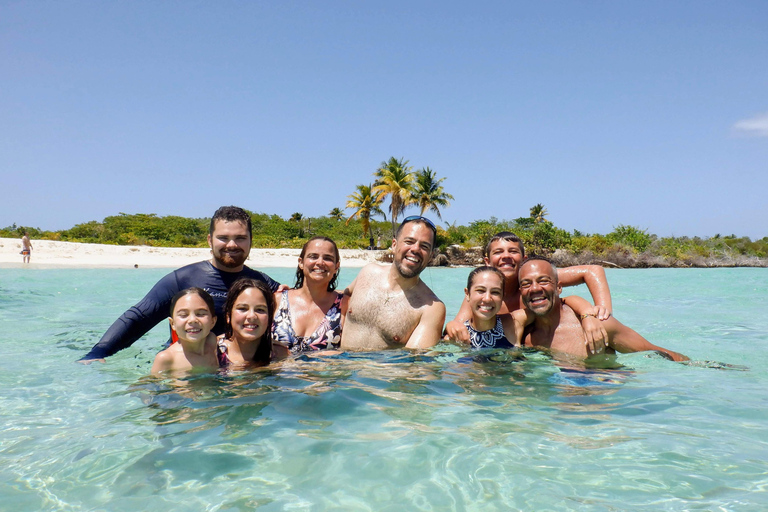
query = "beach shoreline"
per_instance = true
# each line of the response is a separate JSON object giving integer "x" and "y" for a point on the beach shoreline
{"x": 53, "y": 254}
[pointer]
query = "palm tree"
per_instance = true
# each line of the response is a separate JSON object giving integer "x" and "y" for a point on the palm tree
{"x": 538, "y": 213}
{"x": 366, "y": 202}
{"x": 296, "y": 217}
{"x": 336, "y": 213}
{"x": 394, "y": 179}
{"x": 428, "y": 192}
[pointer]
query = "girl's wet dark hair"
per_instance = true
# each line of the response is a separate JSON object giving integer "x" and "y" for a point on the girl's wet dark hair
{"x": 197, "y": 291}
{"x": 264, "y": 350}
{"x": 300, "y": 273}
{"x": 480, "y": 270}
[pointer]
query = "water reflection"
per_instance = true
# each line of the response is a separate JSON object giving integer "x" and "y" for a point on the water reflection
{"x": 210, "y": 426}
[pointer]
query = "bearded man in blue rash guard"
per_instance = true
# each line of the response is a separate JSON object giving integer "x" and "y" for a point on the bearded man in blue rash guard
{"x": 229, "y": 237}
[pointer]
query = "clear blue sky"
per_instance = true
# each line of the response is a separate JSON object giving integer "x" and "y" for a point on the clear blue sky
{"x": 647, "y": 113}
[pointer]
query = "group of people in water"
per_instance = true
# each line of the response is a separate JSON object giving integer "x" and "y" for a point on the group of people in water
{"x": 224, "y": 313}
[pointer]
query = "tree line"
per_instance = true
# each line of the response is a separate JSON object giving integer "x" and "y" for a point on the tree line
{"x": 396, "y": 183}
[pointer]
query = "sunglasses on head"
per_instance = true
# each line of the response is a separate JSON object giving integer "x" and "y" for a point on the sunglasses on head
{"x": 425, "y": 220}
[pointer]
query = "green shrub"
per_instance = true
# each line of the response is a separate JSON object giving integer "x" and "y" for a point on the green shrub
{"x": 637, "y": 239}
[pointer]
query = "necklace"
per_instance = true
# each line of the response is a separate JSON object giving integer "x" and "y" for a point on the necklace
{"x": 390, "y": 296}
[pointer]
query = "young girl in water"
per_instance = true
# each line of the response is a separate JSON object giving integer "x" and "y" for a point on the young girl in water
{"x": 249, "y": 310}
{"x": 192, "y": 318}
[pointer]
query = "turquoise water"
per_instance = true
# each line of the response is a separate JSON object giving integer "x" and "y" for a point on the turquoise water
{"x": 387, "y": 431}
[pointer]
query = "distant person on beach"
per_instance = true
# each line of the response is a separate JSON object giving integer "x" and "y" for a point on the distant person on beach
{"x": 229, "y": 237}
{"x": 389, "y": 306}
{"x": 26, "y": 248}
{"x": 249, "y": 311}
{"x": 309, "y": 317}
{"x": 556, "y": 326}
{"x": 191, "y": 319}
{"x": 505, "y": 251}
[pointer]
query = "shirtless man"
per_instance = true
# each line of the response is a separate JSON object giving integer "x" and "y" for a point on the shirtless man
{"x": 505, "y": 251}
{"x": 389, "y": 306}
{"x": 26, "y": 248}
{"x": 557, "y": 328}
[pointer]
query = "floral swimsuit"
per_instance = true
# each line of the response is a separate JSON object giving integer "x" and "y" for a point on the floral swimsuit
{"x": 327, "y": 335}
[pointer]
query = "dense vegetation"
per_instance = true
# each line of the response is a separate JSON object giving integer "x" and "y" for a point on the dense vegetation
{"x": 625, "y": 246}
{"x": 395, "y": 180}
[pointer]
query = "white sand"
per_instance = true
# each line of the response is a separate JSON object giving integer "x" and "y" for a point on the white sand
{"x": 49, "y": 254}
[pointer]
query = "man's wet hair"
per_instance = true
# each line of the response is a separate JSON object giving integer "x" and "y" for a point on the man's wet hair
{"x": 232, "y": 214}
{"x": 507, "y": 236}
{"x": 485, "y": 268}
{"x": 537, "y": 257}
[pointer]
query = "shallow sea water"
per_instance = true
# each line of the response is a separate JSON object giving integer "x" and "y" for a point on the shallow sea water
{"x": 441, "y": 430}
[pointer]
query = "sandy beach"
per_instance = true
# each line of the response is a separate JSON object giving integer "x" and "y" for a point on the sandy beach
{"x": 50, "y": 254}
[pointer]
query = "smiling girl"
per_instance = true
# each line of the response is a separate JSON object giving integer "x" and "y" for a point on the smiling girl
{"x": 192, "y": 319}
{"x": 249, "y": 310}
{"x": 487, "y": 328}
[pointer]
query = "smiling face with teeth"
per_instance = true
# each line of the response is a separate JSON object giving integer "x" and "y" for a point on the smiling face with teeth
{"x": 319, "y": 261}
{"x": 413, "y": 249}
{"x": 250, "y": 315}
{"x": 506, "y": 255}
{"x": 539, "y": 287}
{"x": 230, "y": 243}
{"x": 485, "y": 296}
{"x": 192, "y": 318}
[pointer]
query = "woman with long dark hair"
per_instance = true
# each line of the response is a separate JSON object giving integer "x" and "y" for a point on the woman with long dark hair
{"x": 309, "y": 316}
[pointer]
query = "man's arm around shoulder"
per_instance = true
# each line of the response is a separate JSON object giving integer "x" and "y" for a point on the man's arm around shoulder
{"x": 597, "y": 283}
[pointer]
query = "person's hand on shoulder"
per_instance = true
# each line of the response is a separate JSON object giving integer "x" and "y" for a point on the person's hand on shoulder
{"x": 602, "y": 312}
{"x": 456, "y": 330}
{"x": 595, "y": 335}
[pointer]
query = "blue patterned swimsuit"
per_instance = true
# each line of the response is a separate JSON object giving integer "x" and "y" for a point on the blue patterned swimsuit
{"x": 327, "y": 335}
{"x": 492, "y": 338}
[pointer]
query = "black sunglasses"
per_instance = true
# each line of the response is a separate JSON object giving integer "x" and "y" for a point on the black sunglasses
{"x": 425, "y": 220}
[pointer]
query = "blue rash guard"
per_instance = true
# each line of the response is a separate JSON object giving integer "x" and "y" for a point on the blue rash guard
{"x": 155, "y": 306}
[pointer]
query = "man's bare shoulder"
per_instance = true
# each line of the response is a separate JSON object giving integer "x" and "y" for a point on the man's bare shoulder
{"x": 373, "y": 269}
{"x": 427, "y": 295}
{"x": 567, "y": 313}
